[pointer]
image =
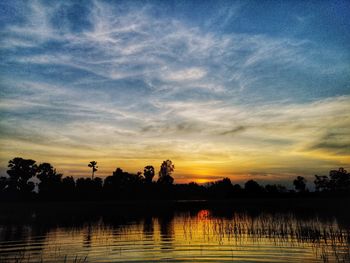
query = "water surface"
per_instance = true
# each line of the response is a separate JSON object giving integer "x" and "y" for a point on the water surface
{"x": 169, "y": 235}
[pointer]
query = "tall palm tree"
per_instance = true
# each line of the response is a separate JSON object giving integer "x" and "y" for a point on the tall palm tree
{"x": 93, "y": 165}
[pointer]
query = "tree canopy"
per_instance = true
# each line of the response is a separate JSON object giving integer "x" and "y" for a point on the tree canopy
{"x": 25, "y": 174}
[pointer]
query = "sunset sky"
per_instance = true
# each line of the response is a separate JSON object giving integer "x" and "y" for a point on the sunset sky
{"x": 244, "y": 89}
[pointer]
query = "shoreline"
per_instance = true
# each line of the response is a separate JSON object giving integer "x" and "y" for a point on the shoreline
{"x": 256, "y": 202}
{"x": 78, "y": 212}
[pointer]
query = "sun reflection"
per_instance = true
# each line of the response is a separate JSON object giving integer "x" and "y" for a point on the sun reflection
{"x": 188, "y": 237}
{"x": 203, "y": 214}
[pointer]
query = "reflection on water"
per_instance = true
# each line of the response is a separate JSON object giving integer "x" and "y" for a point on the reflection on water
{"x": 181, "y": 236}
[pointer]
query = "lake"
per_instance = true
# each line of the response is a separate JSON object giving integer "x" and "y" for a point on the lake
{"x": 166, "y": 234}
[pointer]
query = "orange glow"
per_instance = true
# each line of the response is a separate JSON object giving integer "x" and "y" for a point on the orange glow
{"x": 202, "y": 181}
{"x": 203, "y": 214}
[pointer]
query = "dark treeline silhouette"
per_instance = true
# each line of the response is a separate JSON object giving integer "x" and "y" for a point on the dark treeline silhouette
{"x": 27, "y": 180}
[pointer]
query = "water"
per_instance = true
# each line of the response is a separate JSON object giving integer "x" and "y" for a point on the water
{"x": 171, "y": 235}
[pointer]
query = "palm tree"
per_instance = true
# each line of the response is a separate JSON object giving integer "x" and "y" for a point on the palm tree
{"x": 93, "y": 165}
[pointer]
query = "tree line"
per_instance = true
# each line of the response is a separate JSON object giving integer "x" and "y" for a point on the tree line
{"x": 28, "y": 180}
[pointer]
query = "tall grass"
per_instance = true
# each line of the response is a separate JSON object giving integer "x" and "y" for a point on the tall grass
{"x": 327, "y": 240}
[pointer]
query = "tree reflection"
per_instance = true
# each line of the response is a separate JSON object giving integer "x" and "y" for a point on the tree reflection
{"x": 166, "y": 228}
{"x": 148, "y": 227}
{"x": 87, "y": 237}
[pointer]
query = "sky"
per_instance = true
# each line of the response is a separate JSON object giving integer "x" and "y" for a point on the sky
{"x": 240, "y": 89}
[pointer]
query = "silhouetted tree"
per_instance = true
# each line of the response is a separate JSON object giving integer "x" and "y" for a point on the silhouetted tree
{"x": 165, "y": 172}
{"x": 85, "y": 188}
{"x": 68, "y": 187}
{"x": 221, "y": 189}
{"x": 300, "y": 184}
{"x": 190, "y": 191}
{"x": 93, "y": 165}
{"x": 50, "y": 181}
{"x": 98, "y": 182}
{"x": 322, "y": 183}
{"x": 112, "y": 184}
{"x": 123, "y": 185}
{"x": 148, "y": 173}
{"x": 21, "y": 170}
{"x": 95, "y": 188}
{"x": 339, "y": 180}
{"x": 252, "y": 187}
{"x": 282, "y": 188}
{"x": 3, "y": 183}
{"x": 275, "y": 189}
{"x": 237, "y": 189}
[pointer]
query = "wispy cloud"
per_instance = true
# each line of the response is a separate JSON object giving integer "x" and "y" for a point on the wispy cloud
{"x": 122, "y": 45}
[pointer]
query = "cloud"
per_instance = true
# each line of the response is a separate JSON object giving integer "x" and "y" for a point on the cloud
{"x": 131, "y": 43}
{"x": 335, "y": 141}
{"x": 186, "y": 74}
{"x": 234, "y": 130}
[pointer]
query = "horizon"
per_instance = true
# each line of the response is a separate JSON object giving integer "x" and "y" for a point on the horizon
{"x": 244, "y": 90}
{"x": 310, "y": 184}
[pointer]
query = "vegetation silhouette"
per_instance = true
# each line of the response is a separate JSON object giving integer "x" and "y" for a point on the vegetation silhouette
{"x": 253, "y": 188}
{"x": 50, "y": 181}
{"x": 148, "y": 173}
{"x": 166, "y": 169}
{"x": 338, "y": 181}
{"x": 20, "y": 171}
{"x": 27, "y": 180}
{"x": 93, "y": 165}
{"x": 300, "y": 184}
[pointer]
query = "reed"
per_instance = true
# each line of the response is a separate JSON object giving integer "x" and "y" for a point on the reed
{"x": 325, "y": 239}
